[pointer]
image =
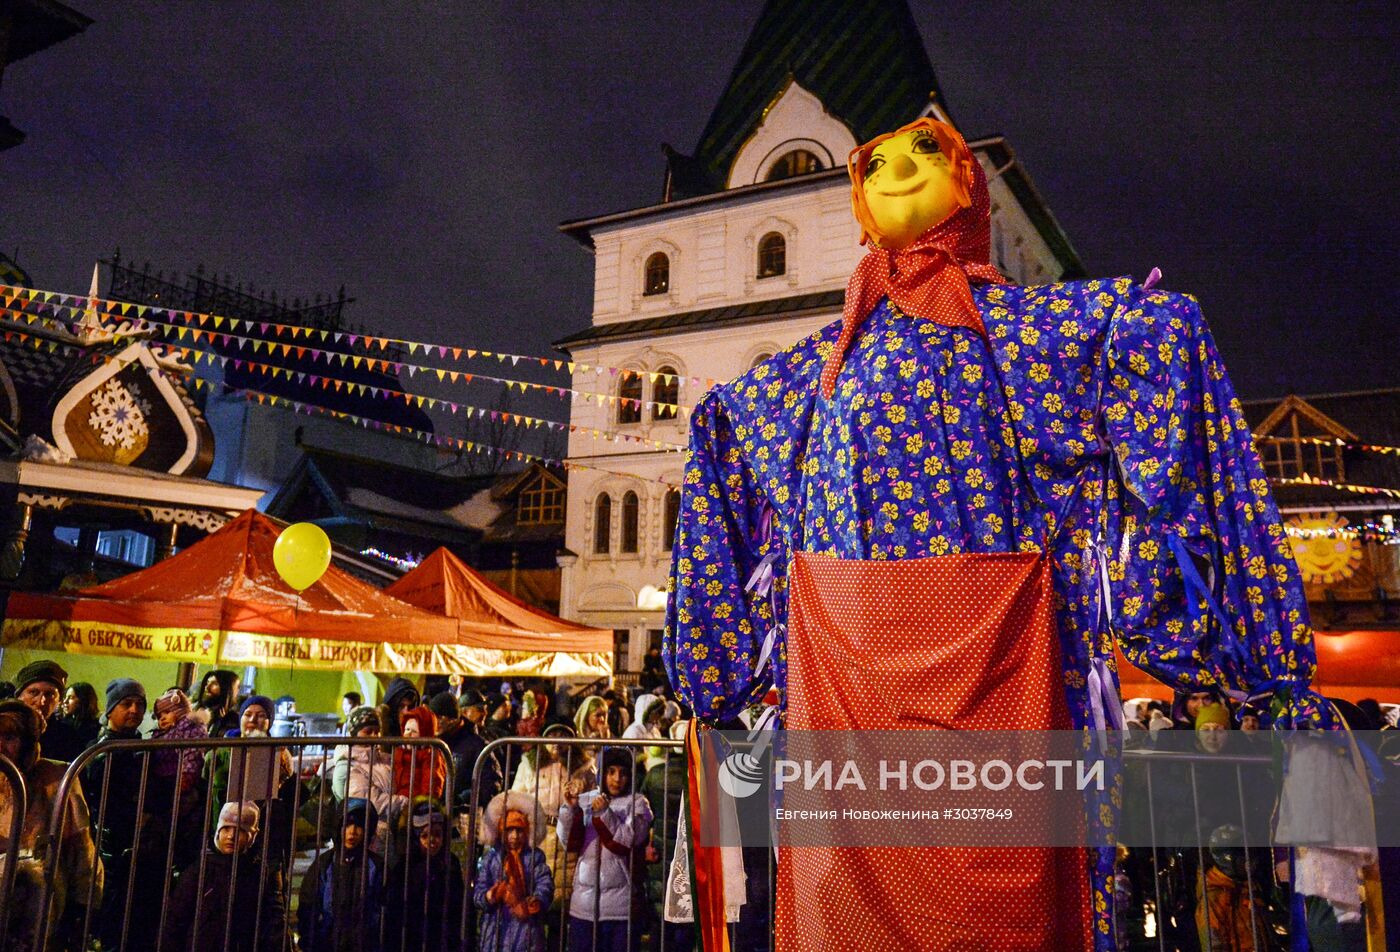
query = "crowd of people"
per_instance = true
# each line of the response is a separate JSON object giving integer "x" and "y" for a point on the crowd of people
{"x": 1234, "y": 891}
{"x": 574, "y": 839}
{"x": 570, "y": 839}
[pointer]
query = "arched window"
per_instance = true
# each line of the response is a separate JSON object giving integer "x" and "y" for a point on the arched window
{"x": 657, "y": 279}
{"x": 672, "y": 516}
{"x": 629, "y": 522}
{"x": 796, "y": 162}
{"x": 665, "y": 394}
{"x": 629, "y": 398}
{"x": 772, "y": 255}
{"x": 759, "y": 359}
{"x": 602, "y": 524}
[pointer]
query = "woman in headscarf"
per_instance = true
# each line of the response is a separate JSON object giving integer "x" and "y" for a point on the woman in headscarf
{"x": 534, "y": 706}
{"x": 591, "y": 720}
{"x": 277, "y": 810}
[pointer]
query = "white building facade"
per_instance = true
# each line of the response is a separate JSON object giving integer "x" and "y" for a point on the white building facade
{"x": 702, "y": 288}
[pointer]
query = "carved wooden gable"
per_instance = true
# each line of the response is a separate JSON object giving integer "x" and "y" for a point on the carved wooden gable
{"x": 127, "y": 411}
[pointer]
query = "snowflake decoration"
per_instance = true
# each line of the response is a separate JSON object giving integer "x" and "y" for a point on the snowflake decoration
{"x": 119, "y": 414}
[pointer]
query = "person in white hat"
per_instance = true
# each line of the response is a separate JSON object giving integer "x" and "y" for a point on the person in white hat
{"x": 234, "y": 894}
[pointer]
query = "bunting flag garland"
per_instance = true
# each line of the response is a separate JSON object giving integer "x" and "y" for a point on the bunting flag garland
{"x": 421, "y": 400}
{"x": 422, "y": 436}
{"x": 1342, "y": 444}
{"x": 167, "y": 317}
{"x": 333, "y": 358}
{"x": 445, "y": 442}
{"x": 1306, "y": 480}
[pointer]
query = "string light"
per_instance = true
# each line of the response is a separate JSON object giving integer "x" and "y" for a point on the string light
{"x": 1383, "y": 532}
{"x": 404, "y": 563}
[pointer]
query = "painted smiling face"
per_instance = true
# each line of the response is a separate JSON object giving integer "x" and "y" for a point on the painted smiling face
{"x": 909, "y": 186}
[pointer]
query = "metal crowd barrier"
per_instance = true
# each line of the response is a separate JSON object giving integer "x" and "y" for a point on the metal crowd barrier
{"x": 1175, "y": 877}
{"x": 168, "y": 830}
{"x": 580, "y": 758}
{"x": 1168, "y": 882}
{"x": 1187, "y": 867}
{"x": 18, "y": 803}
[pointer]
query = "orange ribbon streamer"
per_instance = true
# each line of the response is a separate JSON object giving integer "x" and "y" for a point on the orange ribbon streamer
{"x": 707, "y": 884}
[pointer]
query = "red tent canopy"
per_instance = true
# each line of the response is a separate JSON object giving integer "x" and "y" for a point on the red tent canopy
{"x": 1350, "y": 665}
{"x": 489, "y": 616}
{"x": 221, "y": 600}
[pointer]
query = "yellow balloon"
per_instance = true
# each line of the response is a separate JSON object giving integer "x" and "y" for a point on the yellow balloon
{"x": 302, "y": 554}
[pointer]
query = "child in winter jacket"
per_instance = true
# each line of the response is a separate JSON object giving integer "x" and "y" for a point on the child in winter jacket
{"x": 365, "y": 771}
{"x": 514, "y": 886}
{"x": 419, "y": 771}
{"x": 177, "y": 773}
{"x": 426, "y": 892}
{"x": 175, "y": 721}
{"x": 341, "y": 896}
{"x": 607, "y": 827}
{"x": 234, "y": 893}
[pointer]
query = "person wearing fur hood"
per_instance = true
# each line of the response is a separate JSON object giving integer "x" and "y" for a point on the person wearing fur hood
{"x": 514, "y": 884}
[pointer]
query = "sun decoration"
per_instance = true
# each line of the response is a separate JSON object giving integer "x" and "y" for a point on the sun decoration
{"x": 1326, "y": 552}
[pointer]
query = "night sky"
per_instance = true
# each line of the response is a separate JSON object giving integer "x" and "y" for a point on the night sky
{"x": 424, "y": 157}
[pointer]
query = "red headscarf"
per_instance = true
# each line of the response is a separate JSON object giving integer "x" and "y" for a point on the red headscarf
{"x": 930, "y": 278}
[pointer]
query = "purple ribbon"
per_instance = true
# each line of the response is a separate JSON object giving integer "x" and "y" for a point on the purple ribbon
{"x": 761, "y": 581}
{"x": 1104, "y": 693}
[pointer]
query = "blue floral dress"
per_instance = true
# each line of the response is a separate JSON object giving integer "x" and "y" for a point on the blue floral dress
{"x": 1107, "y": 401}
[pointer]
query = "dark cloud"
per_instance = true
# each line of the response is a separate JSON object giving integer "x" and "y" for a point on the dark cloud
{"x": 422, "y": 154}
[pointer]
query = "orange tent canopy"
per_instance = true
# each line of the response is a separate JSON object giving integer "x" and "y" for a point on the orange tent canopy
{"x": 488, "y": 616}
{"x": 1350, "y": 664}
{"x": 221, "y": 599}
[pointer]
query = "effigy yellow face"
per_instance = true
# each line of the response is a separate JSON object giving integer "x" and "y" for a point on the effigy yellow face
{"x": 909, "y": 187}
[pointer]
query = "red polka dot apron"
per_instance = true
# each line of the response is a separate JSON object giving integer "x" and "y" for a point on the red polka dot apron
{"x": 957, "y": 642}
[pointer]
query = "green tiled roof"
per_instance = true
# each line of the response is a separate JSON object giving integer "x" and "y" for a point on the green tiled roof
{"x": 864, "y": 59}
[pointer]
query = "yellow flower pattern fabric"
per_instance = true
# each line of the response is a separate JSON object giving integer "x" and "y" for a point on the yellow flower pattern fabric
{"x": 1110, "y": 401}
{"x": 1095, "y": 414}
